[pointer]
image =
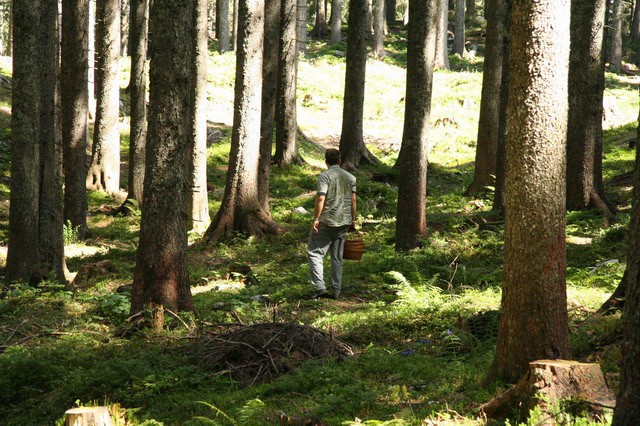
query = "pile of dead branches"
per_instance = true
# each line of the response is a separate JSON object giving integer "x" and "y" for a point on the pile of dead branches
{"x": 260, "y": 352}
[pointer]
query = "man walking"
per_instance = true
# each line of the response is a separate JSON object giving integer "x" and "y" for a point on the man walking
{"x": 334, "y": 213}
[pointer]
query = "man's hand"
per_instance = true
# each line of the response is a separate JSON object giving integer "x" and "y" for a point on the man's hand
{"x": 352, "y": 227}
{"x": 316, "y": 224}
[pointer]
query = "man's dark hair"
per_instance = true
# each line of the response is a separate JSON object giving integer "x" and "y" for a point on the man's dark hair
{"x": 332, "y": 156}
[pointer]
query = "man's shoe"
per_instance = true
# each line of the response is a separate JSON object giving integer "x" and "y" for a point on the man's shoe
{"x": 336, "y": 295}
{"x": 319, "y": 293}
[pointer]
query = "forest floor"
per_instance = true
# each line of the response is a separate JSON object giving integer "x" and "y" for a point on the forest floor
{"x": 421, "y": 325}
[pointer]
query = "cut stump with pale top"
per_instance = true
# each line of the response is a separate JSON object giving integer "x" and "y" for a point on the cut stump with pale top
{"x": 88, "y": 416}
{"x": 550, "y": 381}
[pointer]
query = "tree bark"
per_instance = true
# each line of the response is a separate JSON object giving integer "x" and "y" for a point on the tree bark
{"x": 75, "y": 98}
{"x": 501, "y": 157}
{"x": 286, "y": 118}
{"x": 614, "y": 36}
{"x": 125, "y": 8}
{"x": 138, "y": 88}
{"x": 269, "y": 90}
{"x": 586, "y": 88}
{"x": 302, "y": 27}
{"x": 52, "y": 260}
{"x": 488, "y": 123}
{"x": 534, "y": 321}
{"x": 471, "y": 8}
{"x": 160, "y": 279}
{"x": 627, "y": 409}
{"x": 391, "y": 6}
{"x": 240, "y": 209}
{"x": 223, "y": 30}
{"x": 635, "y": 22}
{"x": 234, "y": 27}
{"x": 321, "y": 28}
{"x": 92, "y": 75}
{"x": 459, "y": 40}
{"x": 412, "y": 160}
{"x": 104, "y": 172}
{"x": 199, "y": 200}
{"x": 442, "y": 51}
{"x": 352, "y": 147}
{"x": 336, "y": 22}
{"x": 25, "y": 148}
{"x": 378, "y": 29}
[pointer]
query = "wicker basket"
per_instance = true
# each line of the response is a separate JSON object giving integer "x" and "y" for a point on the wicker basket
{"x": 353, "y": 248}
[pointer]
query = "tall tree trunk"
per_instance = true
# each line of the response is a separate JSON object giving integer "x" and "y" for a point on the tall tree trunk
{"x": 223, "y": 27}
{"x": 471, "y": 8}
{"x": 533, "y": 320}
{"x": 335, "y": 23}
{"x": 321, "y": 28}
{"x": 125, "y": 8}
{"x": 614, "y": 36}
{"x": 160, "y": 279}
{"x": 10, "y": 30}
{"x": 104, "y": 172}
{"x": 390, "y": 6}
{"x": 459, "y": 40}
{"x": 25, "y": 147}
{"x": 412, "y": 160}
{"x": 240, "y": 209}
{"x": 378, "y": 28}
{"x": 138, "y": 88}
{"x": 442, "y": 51}
{"x": 501, "y": 157}
{"x": 92, "y": 73}
{"x": 75, "y": 99}
{"x": 286, "y": 118}
{"x": 488, "y": 124}
{"x": 302, "y": 27}
{"x": 586, "y": 88}
{"x": 211, "y": 19}
{"x": 635, "y": 22}
{"x": 51, "y": 242}
{"x": 627, "y": 409}
{"x": 352, "y": 147}
{"x": 199, "y": 201}
{"x": 234, "y": 28}
{"x": 269, "y": 89}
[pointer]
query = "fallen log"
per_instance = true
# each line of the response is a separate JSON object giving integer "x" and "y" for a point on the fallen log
{"x": 549, "y": 382}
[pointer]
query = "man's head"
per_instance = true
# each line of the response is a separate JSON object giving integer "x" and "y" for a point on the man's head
{"x": 332, "y": 157}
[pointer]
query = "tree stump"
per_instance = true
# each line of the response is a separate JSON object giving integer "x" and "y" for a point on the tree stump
{"x": 88, "y": 416}
{"x": 550, "y": 381}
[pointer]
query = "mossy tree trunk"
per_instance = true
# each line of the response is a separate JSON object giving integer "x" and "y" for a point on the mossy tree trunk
{"x": 240, "y": 209}
{"x": 160, "y": 279}
{"x": 104, "y": 171}
{"x": 378, "y": 29}
{"x": 534, "y": 320}
{"x": 412, "y": 160}
{"x": 222, "y": 29}
{"x": 75, "y": 109}
{"x": 352, "y": 147}
{"x": 614, "y": 36}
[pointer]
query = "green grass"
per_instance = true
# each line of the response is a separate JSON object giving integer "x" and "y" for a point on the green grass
{"x": 422, "y": 323}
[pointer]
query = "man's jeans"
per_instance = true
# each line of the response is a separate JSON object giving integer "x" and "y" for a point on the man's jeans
{"x": 328, "y": 238}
